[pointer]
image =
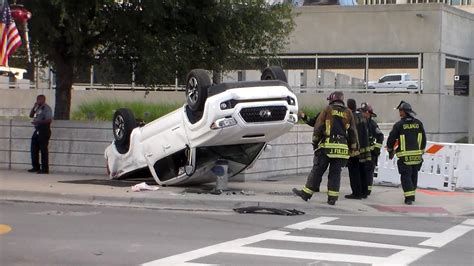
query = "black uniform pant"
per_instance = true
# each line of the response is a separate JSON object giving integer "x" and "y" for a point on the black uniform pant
{"x": 358, "y": 176}
{"x": 370, "y": 172}
{"x": 409, "y": 178}
{"x": 39, "y": 144}
{"x": 321, "y": 163}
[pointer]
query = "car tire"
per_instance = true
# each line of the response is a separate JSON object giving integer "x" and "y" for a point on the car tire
{"x": 197, "y": 83}
{"x": 273, "y": 73}
{"x": 122, "y": 124}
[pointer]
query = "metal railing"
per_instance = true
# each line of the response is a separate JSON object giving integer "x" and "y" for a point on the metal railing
{"x": 126, "y": 87}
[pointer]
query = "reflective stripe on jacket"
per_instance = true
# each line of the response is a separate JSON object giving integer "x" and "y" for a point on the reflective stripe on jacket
{"x": 411, "y": 138}
{"x": 335, "y": 131}
{"x": 375, "y": 136}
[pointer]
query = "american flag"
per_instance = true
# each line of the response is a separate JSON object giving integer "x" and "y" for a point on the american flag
{"x": 10, "y": 38}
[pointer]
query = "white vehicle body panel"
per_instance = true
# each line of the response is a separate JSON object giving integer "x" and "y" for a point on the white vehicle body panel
{"x": 175, "y": 132}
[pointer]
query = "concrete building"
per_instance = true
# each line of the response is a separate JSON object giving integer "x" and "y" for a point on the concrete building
{"x": 341, "y": 47}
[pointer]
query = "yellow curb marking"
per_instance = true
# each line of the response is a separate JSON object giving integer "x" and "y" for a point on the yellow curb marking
{"x": 4, "y": 229}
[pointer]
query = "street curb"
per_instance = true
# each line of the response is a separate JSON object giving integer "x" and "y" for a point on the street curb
{"x": 165, "y": 203}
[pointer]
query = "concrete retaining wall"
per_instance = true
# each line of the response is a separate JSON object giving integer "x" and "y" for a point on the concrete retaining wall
{"x": 78, "y": 147}
{"x": 74, "y": 146}
{"x": 446, "y": 117}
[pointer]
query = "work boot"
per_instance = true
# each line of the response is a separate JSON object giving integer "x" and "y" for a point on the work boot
{"x": 332, "y": 200}
{"x": 300, "y": 193}
{"x": 43, "y": 171}
{"x": 408, "y": 201}
{"x": 352, "y": 196}
{"x": 33, "y": 170}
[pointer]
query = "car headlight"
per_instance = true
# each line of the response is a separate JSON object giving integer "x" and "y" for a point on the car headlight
{"x": 290, "y": 100}
{"x": 292, "y": 118}
{"x": 224, "y": 122}
{"x": 228, "y": 104}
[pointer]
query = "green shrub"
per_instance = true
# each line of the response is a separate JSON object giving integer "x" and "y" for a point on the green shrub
{"x": 311, "y": 111}
{"x": 103, "y": 110}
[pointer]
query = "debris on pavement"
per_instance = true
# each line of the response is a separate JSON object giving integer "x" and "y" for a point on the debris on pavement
{"x": 267, "y": 210}
{"x": 144, "y": 187}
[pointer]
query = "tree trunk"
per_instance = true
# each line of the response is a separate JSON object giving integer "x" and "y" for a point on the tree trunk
{"x": 64, "y": 80}
{"x": 217, "y": 75}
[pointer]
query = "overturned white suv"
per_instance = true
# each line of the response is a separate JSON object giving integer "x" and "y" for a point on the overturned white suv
{"x": 229, "y": 122}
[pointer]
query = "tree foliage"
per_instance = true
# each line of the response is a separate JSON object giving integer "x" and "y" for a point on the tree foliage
{"x": 157, "y": 39}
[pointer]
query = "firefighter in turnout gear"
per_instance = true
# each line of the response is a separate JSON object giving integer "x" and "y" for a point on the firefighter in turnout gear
{"x": 411, "y": 138}
{"x": 334, "y": 140}
{"x": 376, "y": 139}
{"x": 359, "y": 165}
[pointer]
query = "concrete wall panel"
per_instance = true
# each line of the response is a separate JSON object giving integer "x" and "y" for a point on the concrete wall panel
{"x": 458, "y": 33}
{"x": 366, "y": 29}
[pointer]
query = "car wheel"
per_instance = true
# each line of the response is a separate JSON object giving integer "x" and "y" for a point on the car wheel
{"x": 273, "y": 73}
{"x": 122, "y": 125}
{"x": 197, "y": 83}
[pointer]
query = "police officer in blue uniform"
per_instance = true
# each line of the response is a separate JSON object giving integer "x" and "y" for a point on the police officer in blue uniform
{"x": 42, "y": 117}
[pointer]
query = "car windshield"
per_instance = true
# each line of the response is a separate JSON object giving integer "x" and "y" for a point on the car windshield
{"x": 243, "y": 154}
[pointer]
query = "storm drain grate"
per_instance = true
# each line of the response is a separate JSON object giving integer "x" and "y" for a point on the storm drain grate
{"x": 267, "y": 210}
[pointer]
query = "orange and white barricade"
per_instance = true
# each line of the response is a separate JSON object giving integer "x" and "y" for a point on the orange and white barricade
{"x": 446, "y": 166}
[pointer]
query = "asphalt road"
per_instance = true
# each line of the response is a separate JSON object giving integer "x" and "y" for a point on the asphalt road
{"x": 44, "y": 234}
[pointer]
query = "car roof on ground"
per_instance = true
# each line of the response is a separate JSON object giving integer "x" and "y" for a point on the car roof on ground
{"x": 219, "y": 88}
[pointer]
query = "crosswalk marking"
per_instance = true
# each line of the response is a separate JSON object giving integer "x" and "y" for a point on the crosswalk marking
{"x": 435, "y": 239}
{"x": 296, "y": 254}
{"x": 404, "y": 256}
{"x": 447, "y": 236}
{"x": 333, "y": 241}
{"x": 318, "y": 224}
{"x": 181, "y": 259}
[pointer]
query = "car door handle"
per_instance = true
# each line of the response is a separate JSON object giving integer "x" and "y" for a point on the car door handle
{"x": 167, "y": 147}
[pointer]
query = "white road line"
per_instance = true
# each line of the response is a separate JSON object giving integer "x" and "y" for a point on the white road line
{"x": 335, "y": 241}
{"x": 181, "y": 259}
{"x": 447, "y": 236}
{"x": 318, "y": 224}
{"x": 469, "y": 222}
{"x": 296, "y": 254}
{"x": 405, "y": 257}
{"x": 309, "y": 223}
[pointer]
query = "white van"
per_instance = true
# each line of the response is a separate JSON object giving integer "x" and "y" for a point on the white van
{"x": 18, "y": 72}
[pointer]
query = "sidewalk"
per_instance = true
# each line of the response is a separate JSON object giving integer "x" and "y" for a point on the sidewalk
{"x": 65, "y": 188}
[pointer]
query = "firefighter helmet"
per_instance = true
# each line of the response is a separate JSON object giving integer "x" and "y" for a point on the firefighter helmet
{"x": 366, "y": 107}
{"x": 406, "y": 107}
{"x": 336, "y": 96}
